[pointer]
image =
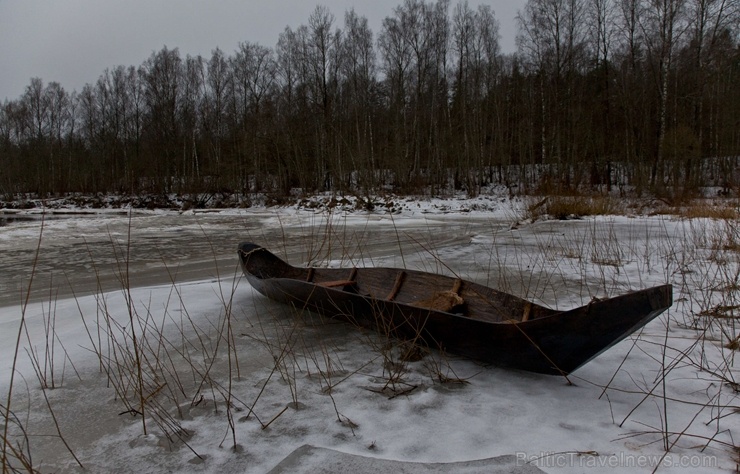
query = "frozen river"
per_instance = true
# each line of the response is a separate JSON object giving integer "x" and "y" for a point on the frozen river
{"x": 81, "y": 254}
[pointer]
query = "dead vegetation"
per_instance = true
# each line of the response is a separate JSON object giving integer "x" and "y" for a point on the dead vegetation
{"x": 573, "y": 207}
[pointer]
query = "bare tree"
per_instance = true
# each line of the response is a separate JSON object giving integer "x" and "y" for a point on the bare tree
{"x": 321, "y": 56}
{"x": 57, "y": 103}
{"x": 552, "y": 38}
{"x": 163, "y": 80}
{"x": 191, "y": 117}
{"x": 601, "y": 16}
{"x": 37, "y": 107}
{"x": 358, "y": 70}
{"x": 475, "y": 47}
{"x": 253, "y": 72}
{"x": 708, "y": 21}
{"x": 663, "y": 23}
{"x": 214, "y": 113}
{"x": 414, "y": 48}
{"x": 253, "y": 69}
{"x": 296, "y": 159}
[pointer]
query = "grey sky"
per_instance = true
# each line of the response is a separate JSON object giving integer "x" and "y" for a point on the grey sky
{"x": 73, "y": 41}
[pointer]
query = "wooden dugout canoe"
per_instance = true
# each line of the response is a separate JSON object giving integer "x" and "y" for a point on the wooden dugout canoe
{"x": 458, "y": 316}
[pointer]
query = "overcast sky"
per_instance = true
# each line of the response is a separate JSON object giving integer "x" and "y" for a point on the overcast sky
{"x": 73, "y": 41}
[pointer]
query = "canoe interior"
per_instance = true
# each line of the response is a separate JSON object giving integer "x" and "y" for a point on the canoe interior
{"x": 455, "y": 315}
{"x": 402, "y": 286}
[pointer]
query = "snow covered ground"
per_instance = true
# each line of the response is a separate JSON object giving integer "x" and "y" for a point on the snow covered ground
{"x": 232, "y": 382}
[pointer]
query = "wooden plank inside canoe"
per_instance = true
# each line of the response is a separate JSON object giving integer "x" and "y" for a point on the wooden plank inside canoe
{"x": 396, "y": 286}
{"x": 336, "y": 283}
{"x": 339, "y": 283}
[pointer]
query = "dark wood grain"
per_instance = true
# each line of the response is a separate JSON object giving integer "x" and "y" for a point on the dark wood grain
{"x": 486, "y": 324}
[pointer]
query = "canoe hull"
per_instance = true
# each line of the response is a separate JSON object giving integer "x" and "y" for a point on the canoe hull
{"x": 556, "y": 344}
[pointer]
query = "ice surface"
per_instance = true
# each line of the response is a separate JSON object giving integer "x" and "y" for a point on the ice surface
{"x": 285, "y": 378}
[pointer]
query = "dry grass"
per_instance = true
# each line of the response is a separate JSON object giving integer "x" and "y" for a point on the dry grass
{"x": 573, "y": 207}
{"x": 734, "y": 344}
{"x": 580, "y": 206}
{"x": 725, "y": 210}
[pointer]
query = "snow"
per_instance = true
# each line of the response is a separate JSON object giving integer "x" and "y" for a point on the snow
{"x": 302, "y": 380}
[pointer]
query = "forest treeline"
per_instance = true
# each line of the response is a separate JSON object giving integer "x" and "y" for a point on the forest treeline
{"x": 599, "y": 92}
